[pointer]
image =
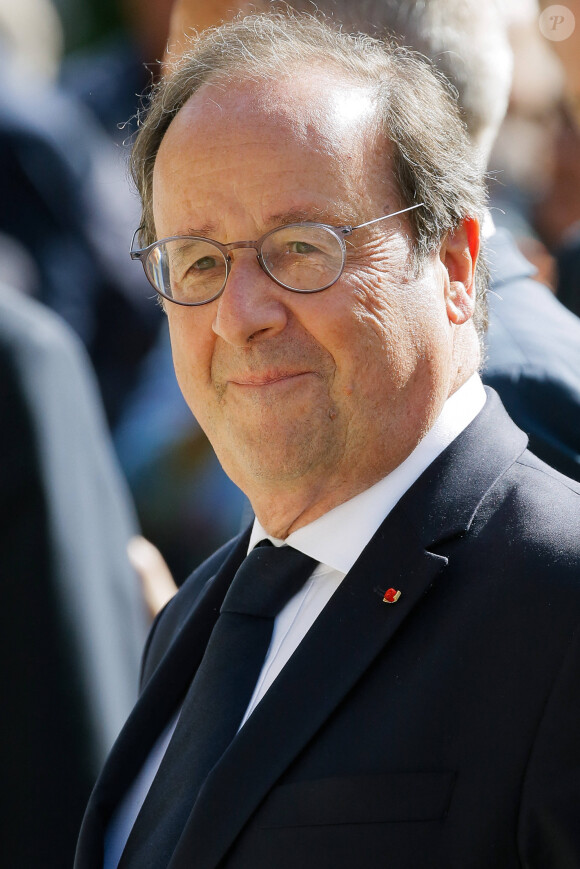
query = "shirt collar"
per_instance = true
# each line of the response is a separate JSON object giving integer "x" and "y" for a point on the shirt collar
{"x": 338, "y": 537}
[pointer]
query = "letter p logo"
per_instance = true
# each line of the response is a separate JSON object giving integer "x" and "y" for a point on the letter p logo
{"x": 557, "y": 23}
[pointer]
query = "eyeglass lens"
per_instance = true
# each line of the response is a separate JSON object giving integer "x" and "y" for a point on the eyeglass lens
{"x": 300, "y": 257}
{"x": 187, "y": 270}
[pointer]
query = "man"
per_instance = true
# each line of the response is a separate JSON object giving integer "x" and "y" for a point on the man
{"x": 417, "y": 702}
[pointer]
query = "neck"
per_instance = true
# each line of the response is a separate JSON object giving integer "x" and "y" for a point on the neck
{"x": 288, "y": 506}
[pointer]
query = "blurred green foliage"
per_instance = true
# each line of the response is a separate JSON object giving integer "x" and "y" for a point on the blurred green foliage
{"x": 86, "y": 22}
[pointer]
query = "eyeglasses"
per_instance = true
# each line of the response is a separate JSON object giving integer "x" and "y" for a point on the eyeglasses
{"x": 301, "y": 257}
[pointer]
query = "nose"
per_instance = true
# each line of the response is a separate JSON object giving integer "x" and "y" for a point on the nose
{"x": 250, "y": 308}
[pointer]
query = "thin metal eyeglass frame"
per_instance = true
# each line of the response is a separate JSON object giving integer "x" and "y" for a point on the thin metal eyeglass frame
{"x": 340, "y": 232}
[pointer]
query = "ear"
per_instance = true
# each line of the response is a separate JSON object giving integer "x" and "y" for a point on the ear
{"x": 459, "y": 253}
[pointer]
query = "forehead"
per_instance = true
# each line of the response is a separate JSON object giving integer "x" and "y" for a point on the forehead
{"x": 262, "y": 142}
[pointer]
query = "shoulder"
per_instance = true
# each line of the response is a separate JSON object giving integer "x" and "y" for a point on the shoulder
{"x": 549, "y": 502}
{"x": 523, "y": 309}
{"x": 42, "y": 347}
{"x": 529, "y": 328}
{"x": 51, "y": 371}
{"x": 529, "y": 523}
{"x": 26, "y": 322}
{"x": 533, "y": 361}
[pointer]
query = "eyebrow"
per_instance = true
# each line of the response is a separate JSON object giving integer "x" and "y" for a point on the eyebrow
{"x": 206, "y": 231}
{"x": 283, "y": 218}
{"x": 299, "y": 215}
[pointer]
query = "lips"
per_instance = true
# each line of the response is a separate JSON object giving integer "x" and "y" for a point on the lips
{"x": 266, "y": 378}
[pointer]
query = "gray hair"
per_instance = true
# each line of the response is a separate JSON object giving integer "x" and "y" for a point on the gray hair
{"x": 432, "y": 156}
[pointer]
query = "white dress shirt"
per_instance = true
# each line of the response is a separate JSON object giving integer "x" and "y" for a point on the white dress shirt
{"x": 335, "y": 540}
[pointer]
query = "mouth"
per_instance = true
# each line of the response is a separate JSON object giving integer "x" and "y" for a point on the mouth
{"x": 266, "y": 379}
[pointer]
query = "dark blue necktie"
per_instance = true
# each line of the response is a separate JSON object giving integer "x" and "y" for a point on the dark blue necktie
{"x": 217, "y": 698}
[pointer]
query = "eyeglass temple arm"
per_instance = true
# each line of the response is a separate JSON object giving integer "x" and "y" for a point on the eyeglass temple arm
{"x": 136, "y": 253}
{"x": 348, "y": 229}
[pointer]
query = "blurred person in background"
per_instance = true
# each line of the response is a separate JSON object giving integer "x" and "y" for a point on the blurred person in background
{"x": 110, "y": 76}
{"x": 520, "y": 160}
{"x": 72, "y": 621}
{"x": 67, "y": 205}
{"x": 536, "y": 160}
{"x": 563, "y": 198}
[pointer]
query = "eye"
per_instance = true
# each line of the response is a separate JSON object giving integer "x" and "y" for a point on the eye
{"x": 301, "y": 247}
{"x": 204, "y": 263}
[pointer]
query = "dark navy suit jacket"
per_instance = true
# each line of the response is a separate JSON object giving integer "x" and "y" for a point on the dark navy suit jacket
{"x": 440, "y": 731}
{"x": 533, "y": 362}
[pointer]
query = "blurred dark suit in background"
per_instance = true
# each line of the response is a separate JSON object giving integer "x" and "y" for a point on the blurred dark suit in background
{"x": 569, "y": 275}
{"x": 533, "y": 361}
{"x": 72, "y": 621}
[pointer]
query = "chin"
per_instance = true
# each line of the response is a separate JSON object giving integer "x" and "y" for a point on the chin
{"x": 271, "y": 461}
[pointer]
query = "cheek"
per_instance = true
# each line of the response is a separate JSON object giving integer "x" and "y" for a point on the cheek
{"x": 396, "y": 325}
{"x": 192, "y": 342}
{"x": 383, "y": 313}
{"x": 364, "y": 327}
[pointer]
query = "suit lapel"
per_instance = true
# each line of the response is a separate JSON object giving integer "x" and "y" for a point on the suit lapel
{"x": 356, "y": 625}
{"x": 154, "y": 709}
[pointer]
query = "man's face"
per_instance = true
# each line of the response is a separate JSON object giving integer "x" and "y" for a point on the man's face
{"x": 306, "y": 398}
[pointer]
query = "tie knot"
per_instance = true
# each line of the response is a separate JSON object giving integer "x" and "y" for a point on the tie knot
{"x": 266, "y": 580}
